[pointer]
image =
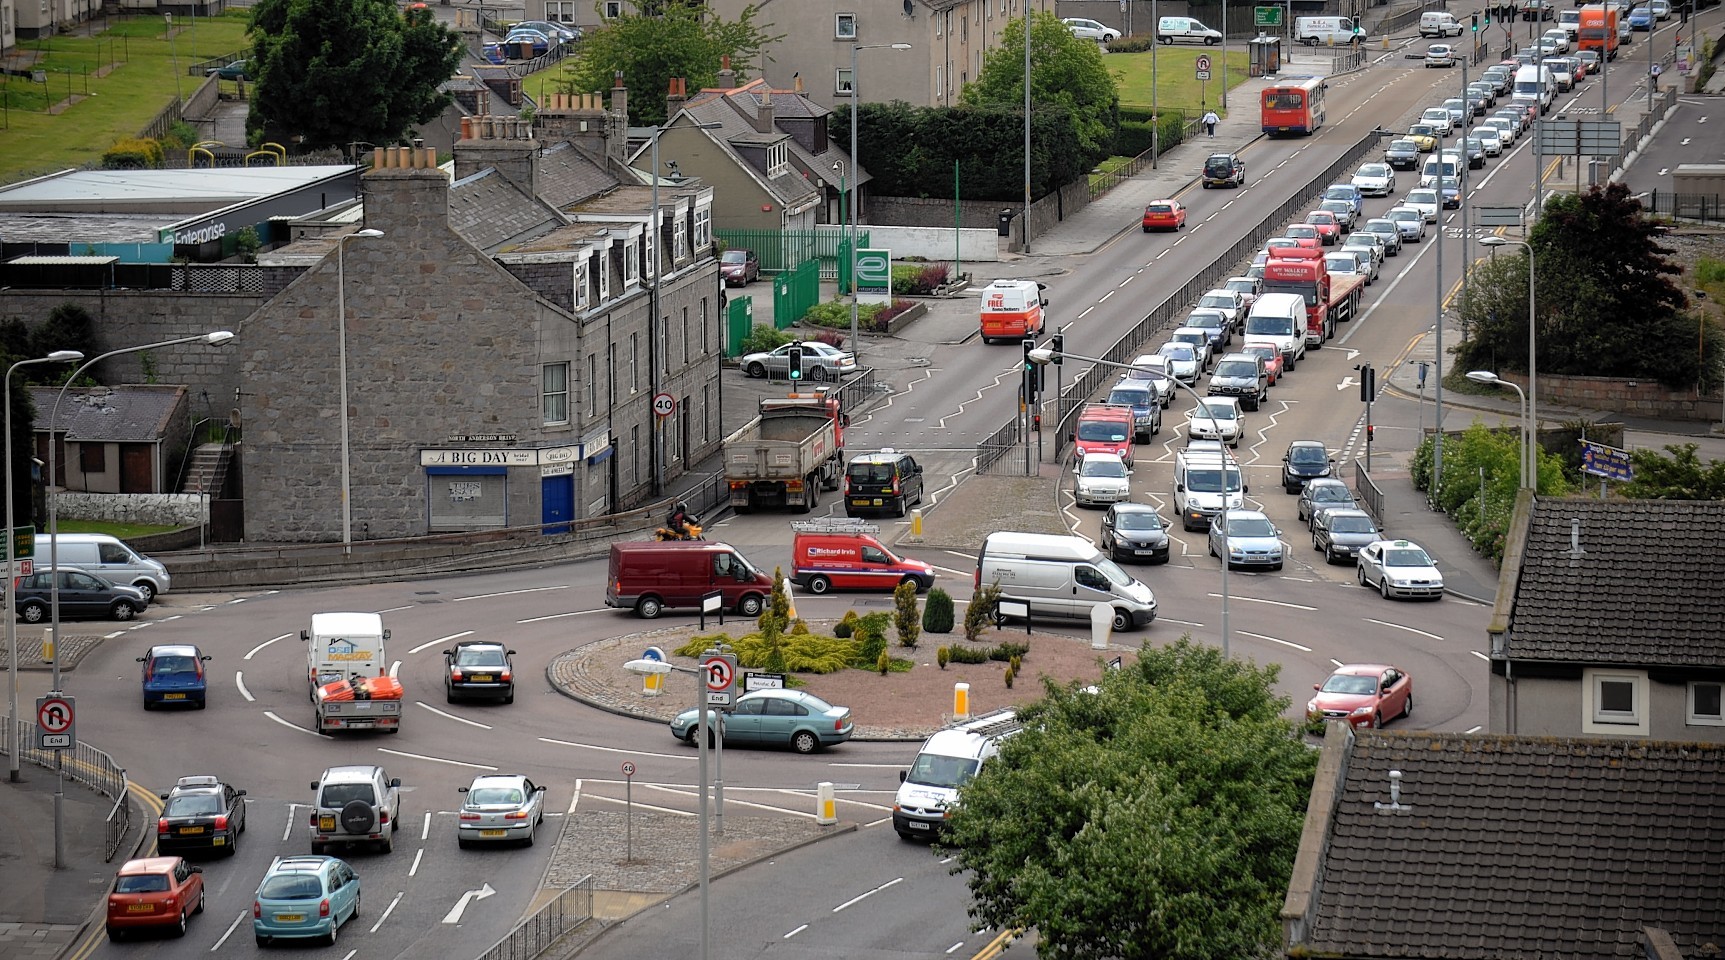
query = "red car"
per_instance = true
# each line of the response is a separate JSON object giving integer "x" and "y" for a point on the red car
{"x": 739, "y": 267}
{"x": 1329, "y": 228}
{"x": 1272, "y": 358}
{"x": 1363, "y": 694}
{"x": 1164, "y": 215}
{"x": 155, "y": 893}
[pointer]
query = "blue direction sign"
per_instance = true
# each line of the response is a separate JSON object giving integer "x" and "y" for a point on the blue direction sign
{"x": 1608, "y": 462}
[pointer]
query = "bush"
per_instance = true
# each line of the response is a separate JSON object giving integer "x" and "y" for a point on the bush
{"x": 905, "y": 618}
{"x": 1136, "y": 43}
{"x": 846, "y": 624}
{"x": 941, "y": 656}
{"x": 831, "y": 338}
{"x": 962, "y": 654}
{"x": 765, "y": 338}
{"x": 979, "y": 612}
{"x": 1009, "y": 652}
{"x": 870, "y": 637}
{"x": 883, "y": 663}
{"x": 133, "y": 153}
{"x": 886, "y": 316}
{"x": 836, "y": 315}
{"x": 919, "y": 279}
{"x": 1009, "y": 676}
{"x": 937, "y": 612}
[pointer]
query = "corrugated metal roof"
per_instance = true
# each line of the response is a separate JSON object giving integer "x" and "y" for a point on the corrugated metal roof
{"x": 188, "y": 190}
{"x": 62, "y": 261}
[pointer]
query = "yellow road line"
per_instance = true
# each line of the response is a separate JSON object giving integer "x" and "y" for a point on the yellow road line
{"x": 994, "y": 948}
{"x": 153, "y": 809}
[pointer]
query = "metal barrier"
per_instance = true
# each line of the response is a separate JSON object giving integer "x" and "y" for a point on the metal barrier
{"x": 991, "y": 453}
{"x": 1370, "y": 493}
{"x": 83, "y": 763}
{"x": 531, "y": 937}
{"x": 1700, "y": 207}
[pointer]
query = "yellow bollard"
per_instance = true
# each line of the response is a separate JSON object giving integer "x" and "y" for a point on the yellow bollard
{"x": 652, "y": 684}
{"x": 826, "y": 808}
{"x": 961, "y": 699}
{"x": 916, "y": 522}
{"x": 790, "y": 601}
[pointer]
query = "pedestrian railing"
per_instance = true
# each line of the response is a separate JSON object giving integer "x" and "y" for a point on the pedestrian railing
{"x": 1369, "y": 492}
{"x": 531, "y": 937}
{"x": 83, "y": 763}
{"x": 1700, "y": 207}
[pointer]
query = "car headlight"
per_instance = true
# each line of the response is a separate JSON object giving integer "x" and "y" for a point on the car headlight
{"x": 1364, "y": 711}
{"x": 1312, "y": 707}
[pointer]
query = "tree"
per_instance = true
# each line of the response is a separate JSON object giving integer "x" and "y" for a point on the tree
{"x": 1065, "y": 71}
{"x": 906, "y": 619}
{"x": 1676, "y": 475}
{"x": 335, "y": 72}
{"x": 68, "y": 327}
{"x": 655, "y": 43}
{"x": 1603, "y": 293}
{"x": 1155, "y": 818}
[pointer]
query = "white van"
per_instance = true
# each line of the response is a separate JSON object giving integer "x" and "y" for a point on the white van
{"x": 1207, "y": 480}
{"x": 106, "y": 557}
{"x": 948, "y": 760}
{"x": 1279, "y": 319}
{"x": 1060, "y": 576}
{"x": 1568, "y": 20}
{"x": 1328, "y": 30}
{"x": 1534, "y": 84}
{"x": 1170, "y": 29}
{"x": 1447, "y": 165}
{"x": 1437, "y": 23}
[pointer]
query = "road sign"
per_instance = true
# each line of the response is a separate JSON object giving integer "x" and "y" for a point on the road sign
{"x": 1266, "y": 16}
{"x": 55, "y": 729}
{"x": 1497, "y": 216}
{"x": 664, "y": 404}
{"x": 628, "y": 768}
{"x": 1608, "y": 462}
{"x": 23, "y": 543}
{"x": 719, "y": 671}
{"x": 1203, "y": 65}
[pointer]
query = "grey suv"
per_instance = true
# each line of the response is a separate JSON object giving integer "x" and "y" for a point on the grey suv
{"x": 355, "y": 804}
{"x": 1241, "y": 375}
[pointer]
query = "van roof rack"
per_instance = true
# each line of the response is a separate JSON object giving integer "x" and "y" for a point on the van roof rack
{"x": 835, "y": 525}
{"x": 994, "y": 724}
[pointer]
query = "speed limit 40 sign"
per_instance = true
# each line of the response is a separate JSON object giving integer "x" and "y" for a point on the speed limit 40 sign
{"x": 664, "y": 404}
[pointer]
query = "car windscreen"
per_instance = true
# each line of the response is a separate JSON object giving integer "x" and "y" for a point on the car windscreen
{"x": 142, "y": 883}
{"x": 1160, "y": 208}
{"x": 1131, "y": 398}
{"x": 1217, "y": 411}
{"x": 1136, "y": 520}
{"x": 934, "y": 770}
{"x": 192, "y": 805}
{"x": 1308, "y": 455}
{"x": 1269, "y": 325}
{"x": 1329, "y": 493}
{"x": 1352, "y": 525}
{"x": 291, "y": 887}
{"x": 1217, "y": 301}
{"x": 1210, "y": 481}
{"x": 1113, "y": 571}
{"x": 1250, "y": 527}
{"x": 1406, "y": 557}
{"x": 494, "y": 796}
{"x": 479, "y": 657}
{"x": 167, "y": 666}
{"x": 1102, "y": 468}
{"x": 1102, "y": 432}
{"x": 733, "y": 256}
{"x": 1344, "y": 683}
{"x": 1218, "y": 166}
{"x": 336, "y": 795}
{"x": 1236, "y": 368}
{"x": 1178, "y": 351}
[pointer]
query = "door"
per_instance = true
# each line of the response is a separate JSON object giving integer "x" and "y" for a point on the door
{"x": 557, "y": 499}
{"x": 82, "y": 595}
{"x": 1089, "y": 587}
{"x": 136, "y": 472}
{"x": 743, "y": 725}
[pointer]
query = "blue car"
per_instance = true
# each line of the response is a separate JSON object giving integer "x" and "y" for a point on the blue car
{"x": 1641, "y": 18}
{"x": 305, "y": 897}
{"x": 1348, "y": 192}
{"x": 174, "y": 673}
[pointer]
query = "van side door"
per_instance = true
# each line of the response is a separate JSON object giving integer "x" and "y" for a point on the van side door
{"x": 1089, "y": 586}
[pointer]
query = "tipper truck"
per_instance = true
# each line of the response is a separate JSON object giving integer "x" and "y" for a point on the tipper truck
{"x": 348, "y": 673}
{"x": 787, "y": 454}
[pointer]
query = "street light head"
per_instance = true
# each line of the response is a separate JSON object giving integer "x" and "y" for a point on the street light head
{"x": 1041, "y": 356}
{"x": 647, "y": 666}
{"x": 1482, "y": 376}
{"x": 65, "y": 356}
{"x": 901, "y": 46}
{"x": 218, "y": 337}
{"x": 368, "y": 232}
{"x": 1494, "y": 242}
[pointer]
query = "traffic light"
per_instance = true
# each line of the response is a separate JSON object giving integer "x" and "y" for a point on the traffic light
{"x": 1029, "y": 364}
{"x": 795, "y": 354}
{"x": 1060, "y": 348}
{"x": 1368, "y": 382}
{"x": 1488, "y": 16}
{"x": 1476, "y": 23}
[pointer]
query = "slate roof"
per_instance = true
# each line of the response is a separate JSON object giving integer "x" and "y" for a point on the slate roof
{"x": 565, "y": 176}
{"x": 488, "y": 211}
{"x": 1645, "y": 590}
{"x": 131, "y": 413}
{"x": 790, "y": 189}
{"x": 1520, "y": 848}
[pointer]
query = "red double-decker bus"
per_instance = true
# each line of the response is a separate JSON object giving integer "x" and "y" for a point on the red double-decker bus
{"x": 1295, "y": 108}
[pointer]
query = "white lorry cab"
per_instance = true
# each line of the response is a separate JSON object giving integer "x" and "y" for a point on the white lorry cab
{"x": 947, "y": 761}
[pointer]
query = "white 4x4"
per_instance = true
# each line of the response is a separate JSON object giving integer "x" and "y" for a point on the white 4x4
{"x": 355, "y": 804}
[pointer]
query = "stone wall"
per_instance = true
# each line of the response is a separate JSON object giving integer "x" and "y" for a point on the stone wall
{"x": 936, "y": 243}
{"x": 983, "y": 214}
{"x": 148, "y": 509}
{"x": 1637, "y": 398}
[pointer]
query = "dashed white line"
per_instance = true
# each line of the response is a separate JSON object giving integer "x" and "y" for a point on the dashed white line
{"x": 413, "y": 870}
{"x": 793, "y": 933}
{"x": 453, "y": 763}
{"x": 1386, "y": 623}
{"x": 1473, "y": 729}
{"x": 287, "y": 828}
{"x": 240, "y": 681}
{"x": 451, "y": 716}
{"x": 560, "y": 616}
{"x": 1480, "y": 655}
{"x": 254, "y": 650}
{"x": 1273, "y": 603}
{"x": 864, "y": 896}
{"x": 425, "y": 828}
{"x": 271, "y": 714}
{"x": 387, "y": 911}
{"x": 633, "y": 753}
{"x": 433, "y": 643}
{"x": 228, "y": 932}
{"x": 1285, "y": 643}
{"x": 509, "y": 593}
{"x": 954, "y": 947}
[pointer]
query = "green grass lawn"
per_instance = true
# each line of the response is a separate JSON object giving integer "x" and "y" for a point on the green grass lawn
{"x": 139, "y": 60}
{"x": 1176, "y": 78}
{"x": 124, "y": 531}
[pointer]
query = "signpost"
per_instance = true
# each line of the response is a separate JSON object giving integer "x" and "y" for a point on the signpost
{"x": 664, "y": 405}
{"x": 55, "y": 729}
{"x": 1606, "y": 463}
{"x": 629, "y": 810}
{"x": 874, "y": 276}
{"x": 1266, "y": 16}
{"x": 1203, "y": 65}
{"x": 719, "y": 671}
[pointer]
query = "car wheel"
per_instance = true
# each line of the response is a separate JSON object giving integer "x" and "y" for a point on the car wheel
{"x": 263, "y": 941}
{"x": 123, "y": 610}
{"x": 233, "y": 848}
{"x": 461, "y": 843}
{"x": 819, "y": 375}
{"x": 649, "y": 608}
{"x": 509, "y": 697}
{"x": 1360, "y": 574}
{"x": 448, "y": 693}
{"x": 148, "y": 589}
{"x": 334, "y": 931}
{"x": 819, "y": 584}
{"x": 200, "y": 907}
{"x": 755, "y": 370}
{"x": 749, "y": 606}
{"x": 1384, "y": 587}
{"x": 1122, "y": 620}
{"x": 33, "y": 611}
{"x": 355, "y": 914}
{"x": 1377, "y": 721}
{"x": 805, "y": 742}
{"x": 180, "y": 928}
{"x": 1407, "y": 707}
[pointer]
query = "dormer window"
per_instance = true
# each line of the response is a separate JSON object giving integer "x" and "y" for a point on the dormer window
{"x": 845, "y": 26}
{"x": 679, "y": 238}
{"x": 604, "y": 271}
{"x": 582, "y": 295}
{"x": 632, "y": 263}
{"x": 703, "y": 228}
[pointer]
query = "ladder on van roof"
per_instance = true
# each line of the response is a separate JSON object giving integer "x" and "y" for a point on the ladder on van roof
{"x": 835, "y": 525}
{"x": 999, "y": 723}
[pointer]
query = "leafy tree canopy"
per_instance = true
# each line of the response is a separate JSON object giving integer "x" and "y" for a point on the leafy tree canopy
{"x": 1603, "y": 294}
{"x": 1156, "y": 818}
{"x": 334, "y": 72}
{"x": 654, "y": 44}
{"x": 1679, "y": 476}
{"x": 1064, "y": 70}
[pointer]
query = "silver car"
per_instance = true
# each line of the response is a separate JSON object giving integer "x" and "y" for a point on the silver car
{"x": 499, "y": 808}
{"x": 1369, "y": 243}
{"x": 1101, "y": 479}
{"x": 1387, "y": 229}
{"x": 1324, "y": 494}
{"x": 1399, "y": 568}
{"x": 1340, "y": 534}
{"x": 821, "y": 362}
{"x": 1352, "y": 262}
{"x": 1409, "y": 221}
{"x": 1246, "y": 538}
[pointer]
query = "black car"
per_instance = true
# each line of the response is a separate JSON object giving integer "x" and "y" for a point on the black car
{"x": 1135, "y": 531}
{"x": 81, "y": 595}
{"x": 1224, "y": 170}
{"x": 1402, "y": 154}
{"x": 201, "y": 813}
{"x": 886, "y": 482}
{"x": 479, "y": 669}
{"x": 1305, "y": 460}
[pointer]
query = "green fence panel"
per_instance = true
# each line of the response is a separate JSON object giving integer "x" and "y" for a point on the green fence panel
{"x": 781, "y": 250}
{"x": 795, "y": 291}
{"x": 739, "y": 323}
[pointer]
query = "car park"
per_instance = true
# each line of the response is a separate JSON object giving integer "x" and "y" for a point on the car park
{"x": 1099, "y": 479}
{"x": 1410, "y": 221}
{"x": 1440, "y": 55}
{"x": 154, "y": 894}
{"x": 1324, "y": 494}
{"x": 1224, "y": 170}
{"x": 1387, "y": 229}
{"x": 1348, "y": 192}
{"x": 1246, "y": 538}
{"x": 1341, "y": 534}
{"x": 355, "y": 804}
{"x": 1399, "y": 568}
{"x": 499, "y": 808}
{"x": 1085, "y": 29}
{"x": 1134, "y": 531}
{"x": 1402, "y": 154}
{"x": 1375, "y": 179}
{"x": 1425, "y": 201}
{"x": 1351, "y": 263}
{"x": 174, "y": 674}
{"x": 1229, "y": 302}
{"x": 1328, "y": 227}
{"x": 1362, "y": 695}
{"x": 1145, "y": 403}
{"x": 1216, "y": 418}
{"x": 305, "y": 898}
{"x": 479, "y": 670}
{"x": 1272, "y": 359}
{"x": 82, "y": 596}
{"x": 1344, "y": 210}
{"x": 1164, "y": 215}
{"x": 778, "y": 717}
{"x": 1305, "y": 460}
{"x": 739, "y": 267}
{"x": 201, "y": 813}
{"x": 821, "y": 362}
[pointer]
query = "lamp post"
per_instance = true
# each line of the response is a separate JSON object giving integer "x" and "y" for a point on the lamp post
{"x": 1044, "y": 355}
{"x": 1488, "y": 377}
{"x": 662, "y": 667}
{"x": 1532, "y": 357}
{"x": 341, "y": 353}
{"x": 856, "y": 121}
{"x": 12, "y": 742}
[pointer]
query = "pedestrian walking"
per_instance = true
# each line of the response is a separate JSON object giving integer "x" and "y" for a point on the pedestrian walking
{"x": 1210, "y": 121}
{"x": 1653, "y": 77}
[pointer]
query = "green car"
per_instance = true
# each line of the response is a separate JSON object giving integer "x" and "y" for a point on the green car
{"x": 802, "y": 721}
{"x": 238, "y": 70}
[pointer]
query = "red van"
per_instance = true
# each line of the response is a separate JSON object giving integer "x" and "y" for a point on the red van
{"x": 1105, "y": 428}
{"x": 648, "y": 576}
{"x": 833, "y": 555}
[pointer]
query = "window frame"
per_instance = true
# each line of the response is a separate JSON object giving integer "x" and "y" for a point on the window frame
{"x": 839, "y": 20}
{"x": 550, "y": 396}
{"x": 583, "y": 295}
{"x": 703, "y": 227}
{"x": 1596, "y": 720}
{"x": 843, "y": 82}
{"x": 1694, "y": 719}
{"x": 612, "y": 9}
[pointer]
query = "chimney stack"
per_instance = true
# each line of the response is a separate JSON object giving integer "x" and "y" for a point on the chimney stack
{"x": 727, "y": 76}
{"x": 578, "y": 118}
{"x": 503, "y": 143}
{"x": 619, "y": 132}
{"x": 404, "y": 192}
{"x": 676, "y": 98}
{"x": 764, "y": 112}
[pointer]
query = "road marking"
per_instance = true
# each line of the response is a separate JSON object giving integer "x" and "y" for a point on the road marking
{"x": 1273, "y": 603}
{"x": 858, "y": 899}
{"x": 287, "y": 828}
{"x": 1386, "y": 623}
{"x": 1480, "y": 655}
{"x": 425, "y": 828}
{"x": 646, "y": 806}
{"x": 433, "y": 643}
{"x": 254, "y": 650}
{"x": 454, "y": 914}
{"x": 453, "y": 763}
{"x": 387, "y": 911}
{"x": 1473, "y": 729}
{"x": 1184, "y": 623}
{"x": 1346, "y": 383}
{"x": 576, "y": 799}
{"x": 795, "y": 932}
{"x": 1338, "y": 663}
{"x": 637, "y": 753}
{"x": 451, "y": 716}
{"x": 954, "y": 947}
{"x": 295, "y": 726}
{"x": 509, "y": 593}
{"x": 394, "y": 668}
{"x": 1285, "y": 643}
{"x": 228, "y": 932}
{"x": 240, "y": 681}
{"x": 405, "y": 606}
{"x": 559, "y": 616}
{"x": 414, "y": 870}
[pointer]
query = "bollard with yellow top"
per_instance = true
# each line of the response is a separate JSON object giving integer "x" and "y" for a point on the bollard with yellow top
{"x": 826, "y": 807}
{"x": 916, "y": 525}
{"x": 653, "y": 684}
{"x": 961, "y": 700}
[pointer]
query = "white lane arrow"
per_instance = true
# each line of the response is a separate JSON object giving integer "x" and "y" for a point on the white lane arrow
{"x": 454, "y": 914}
{"x": 1346, "y": 383}
{"x": 1684, "y": 141}
{"x": 1352, "y": 354}
{"x": 1663, "y": 171}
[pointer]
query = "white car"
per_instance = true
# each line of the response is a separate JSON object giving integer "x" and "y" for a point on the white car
{"x": 1090, "y": 30}
{"x": 1440, "y": 55}
{"x": 1502, "y": 127}
{"x": 1375, "y": 179}
{"x": 820, "y": 362}
{"x": 1152, "y": 369}
{"x": 1369, "y": 243}
{"x": 1101, "y": 479}
{"x": 1439, "y": 117}
{"x": 1661, "y": 9}
{"x": 1424, "y": 200}
{"x": 1411, "y": 222}
{"x": 1216, "y": 418}
{"x": 1559, "y": 38}
{"x": 1183, "y": 361}
{"x": 1230, "y": 303}
{"x": 1354, "y": 262}
{"x": 1400, "y": 568}
{"x": 1247, "y": 538}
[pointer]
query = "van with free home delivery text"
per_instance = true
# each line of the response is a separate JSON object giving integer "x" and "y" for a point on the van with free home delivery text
{"x": 1012, "y": 310}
